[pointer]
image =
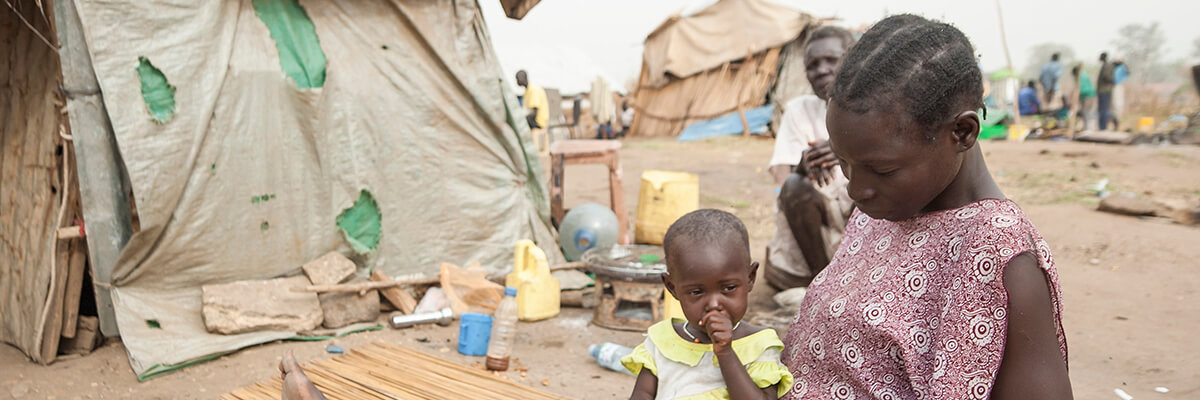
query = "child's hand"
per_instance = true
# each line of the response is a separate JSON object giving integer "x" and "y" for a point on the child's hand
{"x": 720, "y": 331}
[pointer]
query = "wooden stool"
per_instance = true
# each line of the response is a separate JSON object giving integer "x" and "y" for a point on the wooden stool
{"x": 589, "y": 152}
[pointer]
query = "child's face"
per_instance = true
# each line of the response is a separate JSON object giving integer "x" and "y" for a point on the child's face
{"x": 710, "y": 279}
{"x": 894, "y": 171}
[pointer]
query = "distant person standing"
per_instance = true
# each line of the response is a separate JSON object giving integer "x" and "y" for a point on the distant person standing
{"x": 1027, "y": 99}
{"x": 603, "y": 108}
{"x": 1051, "y": 71}
{"x": 536, "y": 106}
{"x": 1087, "y": 95}
{"x": 1104, "y": 90}
{"x": 1120, "y": 74}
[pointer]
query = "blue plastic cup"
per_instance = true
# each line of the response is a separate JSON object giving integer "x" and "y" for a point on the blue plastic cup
{"x": 474, "y": 331}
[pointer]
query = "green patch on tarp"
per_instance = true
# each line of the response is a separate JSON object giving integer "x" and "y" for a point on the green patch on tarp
{"x": 300, "y": 53}
{"x": 158, "y": 94}
{"x": 361, "y": 223}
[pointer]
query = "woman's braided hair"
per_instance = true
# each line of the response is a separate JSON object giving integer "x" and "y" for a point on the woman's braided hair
{"x": 925, "y": 67}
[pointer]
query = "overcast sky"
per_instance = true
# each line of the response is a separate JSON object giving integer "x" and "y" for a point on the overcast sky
{"x": 566, "y": 43}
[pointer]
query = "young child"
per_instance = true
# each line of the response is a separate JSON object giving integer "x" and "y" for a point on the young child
{"x": 941, "y": 288}
{"x": 713, "y": 354}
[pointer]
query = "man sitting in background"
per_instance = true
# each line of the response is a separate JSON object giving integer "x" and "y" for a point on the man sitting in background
{"x": 813, "y": 203}
{"x": 1027, "y": 99}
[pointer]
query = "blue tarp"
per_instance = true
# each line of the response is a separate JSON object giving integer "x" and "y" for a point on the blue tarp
{"x": 729, "y": 124}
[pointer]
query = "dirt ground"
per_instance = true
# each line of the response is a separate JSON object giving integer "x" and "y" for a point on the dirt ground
{"x": 1130, "y": 285}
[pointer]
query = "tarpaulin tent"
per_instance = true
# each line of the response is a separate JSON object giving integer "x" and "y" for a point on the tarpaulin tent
{"x": 722, "y": 59}
{"x": 247, "y": 127}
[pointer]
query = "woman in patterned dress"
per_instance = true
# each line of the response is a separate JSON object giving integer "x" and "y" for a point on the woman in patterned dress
{"x": 941, "y": 288}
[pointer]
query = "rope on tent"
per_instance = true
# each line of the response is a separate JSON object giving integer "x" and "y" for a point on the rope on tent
{"x": 30, "y": 26}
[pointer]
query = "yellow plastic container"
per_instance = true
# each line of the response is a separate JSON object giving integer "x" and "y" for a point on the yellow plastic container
{"x": 671, "y": 307}
{"x": 1017, "y": 132}
{"x": 537, "y": 291}
{"x": 665, "y": 196}
{"x": 1145, "y": 125}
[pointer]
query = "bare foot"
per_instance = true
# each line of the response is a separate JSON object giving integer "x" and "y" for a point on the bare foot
{"x": 296, "y": 385}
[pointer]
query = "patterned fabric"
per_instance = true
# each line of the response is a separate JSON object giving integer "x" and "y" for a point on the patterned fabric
{"x": 914, "y": 309}
{"x": 689, "y": 371}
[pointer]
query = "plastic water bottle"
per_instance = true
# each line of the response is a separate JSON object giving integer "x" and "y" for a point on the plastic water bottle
{"x": 504, "y": 326}
{"x": 609, "y": 355}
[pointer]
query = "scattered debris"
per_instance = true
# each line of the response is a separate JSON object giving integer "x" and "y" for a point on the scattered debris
{"x": 790, "y": 299}
{"x": 1100, "y": 187}
{"x": 1126, "y": 205}
{"x": 1121, "y": 393}
{"x": 572, "y": 279}
{"x": 1094, "y": 261}
{"x": 545, "y": 382}
{"x": 1108, "y": 137}
{"x": 442, "y": 317}
{"x": 434, "y": 299}
{"x": 398, "y": 296}
{"x": 331, "y": 268}
{"x": 86, "y": 337}
{"x": 227, "y": 309}
{"x": 580, "y": 298}
{"x": 1161, "y": 389}
{"x": 334, "y": 349}
{"x": 341, "y": 309}
{"x": 153, "y": 324}
{"x": 470, "y": 290}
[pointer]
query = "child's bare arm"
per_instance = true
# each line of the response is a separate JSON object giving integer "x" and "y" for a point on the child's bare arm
{"x": 646, "y": 387}
{"x": 1033, "y": 367}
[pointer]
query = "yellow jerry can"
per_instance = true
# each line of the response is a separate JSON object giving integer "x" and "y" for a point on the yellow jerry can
{"x": 538, "y": 293}
{"x": 664, "y": 197}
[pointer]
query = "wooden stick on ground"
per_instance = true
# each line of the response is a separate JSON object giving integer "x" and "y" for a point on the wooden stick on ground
{"x": 362, "y": 286}
{"x": 395, "y": 295}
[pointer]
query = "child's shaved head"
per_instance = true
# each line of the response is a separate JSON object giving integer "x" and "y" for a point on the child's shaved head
{"x": 705, "y": 227}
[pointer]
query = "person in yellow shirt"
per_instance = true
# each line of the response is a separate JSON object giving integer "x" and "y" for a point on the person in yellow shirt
{"x": 536, "y": 106}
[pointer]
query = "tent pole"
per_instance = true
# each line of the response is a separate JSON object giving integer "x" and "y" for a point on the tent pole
{"x": 102, "y": 191}
{"x": 1016, "y": 110}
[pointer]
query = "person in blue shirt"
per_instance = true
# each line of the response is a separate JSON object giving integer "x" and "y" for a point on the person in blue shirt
{"x": 1027, "y": 99}
{"x": 1051, "y": 71}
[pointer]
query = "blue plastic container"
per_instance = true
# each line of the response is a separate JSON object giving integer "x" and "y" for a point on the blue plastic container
{"x": 474, "y": 331}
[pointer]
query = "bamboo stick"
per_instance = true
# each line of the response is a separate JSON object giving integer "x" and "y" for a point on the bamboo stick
{"x": 382, "y": 371}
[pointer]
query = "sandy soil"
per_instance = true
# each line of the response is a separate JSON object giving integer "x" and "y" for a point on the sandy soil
{"x": 1130, "y": 284}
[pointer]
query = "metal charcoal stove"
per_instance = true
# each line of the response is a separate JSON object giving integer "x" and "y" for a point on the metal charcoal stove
{"x": 629, "y": 285}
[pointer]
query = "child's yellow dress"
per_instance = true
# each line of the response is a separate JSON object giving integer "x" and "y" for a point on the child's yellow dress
{"x": 687, "y": 370}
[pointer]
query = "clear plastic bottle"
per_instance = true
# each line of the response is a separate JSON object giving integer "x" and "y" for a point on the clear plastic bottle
{"x": 504, "y": 327}
{"x": 609, "y": 355}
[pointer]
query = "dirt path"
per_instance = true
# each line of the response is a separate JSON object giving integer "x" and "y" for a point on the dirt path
{"x": 1129, "y": 284}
